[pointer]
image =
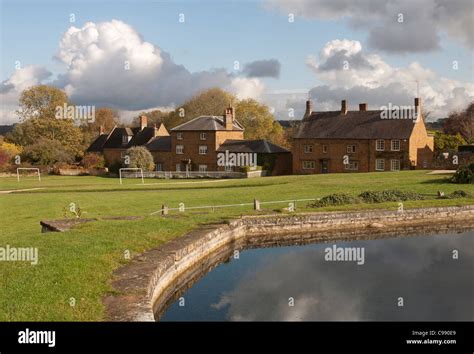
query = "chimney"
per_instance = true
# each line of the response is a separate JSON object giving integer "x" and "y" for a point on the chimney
{"x": 362, "y": 107}
{"x": 343, "y": 107}
{"x": 417, "y": 107}
{"x": 143, "y": 122}
{"x": 101, "y": 130}
{"x": 229, "y": 118}
{"x": 309, "y": 109}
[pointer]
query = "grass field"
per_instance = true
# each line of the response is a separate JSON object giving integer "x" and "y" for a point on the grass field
{"x": 78, "y": 264}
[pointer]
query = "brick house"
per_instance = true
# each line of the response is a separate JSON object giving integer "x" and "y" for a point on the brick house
{"x": 191, "y": 146}
{"x": 360, "y": 141}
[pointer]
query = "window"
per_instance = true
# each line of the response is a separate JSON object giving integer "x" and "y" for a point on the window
{"x": 159, "y": 167}
{"x": 179, "y": 149}
{"x": 178, "y": 167}
{"x": 125, "y": 139}
{"x": 396, "y": 145}
{"x": 308, "y": 149}
{"x": 351, "y": 149}
{"x": 395, "y": 165}
{"x": 325, "y": 149}
{"x": 380, "y": 145}
{"x": 202, "y": 168}
{"x": 352, "y": 165}
{"x": 179, "y": 136}
{"x": 380, "y": 164}
{"x": 308, "y": 165}
{"x": 228, "y": 168}
{"x": 202, "y": 149}
{"x": 202, "y": 136}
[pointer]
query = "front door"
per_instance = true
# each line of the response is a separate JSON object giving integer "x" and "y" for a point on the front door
{"x": 324, "y": 166}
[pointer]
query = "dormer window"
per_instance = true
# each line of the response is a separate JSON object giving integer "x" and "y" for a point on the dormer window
{"x": 125, "y": 139}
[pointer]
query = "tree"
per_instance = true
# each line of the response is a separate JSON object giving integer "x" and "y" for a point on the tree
{"x": 104, "y": 117}
{"x": 47, "y": 152}
{"x": 210, "y": 102}
{"x": 447, "y": 143}
{"x": 258, "y": 122}
{"x": 139, "y": 157}
{"x": 154, "y": 117}
{"x": 40, "y": 102}
{"x": 462, "y": 123}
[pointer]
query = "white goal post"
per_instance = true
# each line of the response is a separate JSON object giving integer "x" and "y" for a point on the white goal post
{"x": 27, "y": 168}
{"x": 133, "y": 169}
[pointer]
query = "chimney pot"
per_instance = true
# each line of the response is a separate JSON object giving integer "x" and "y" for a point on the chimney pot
{"x": 417, "y": 106}
{"x": 344, "y": 107}
{"x": 143, "y": 122}
{"x": 309, "y": 108}
{"x": 362, "y": 107}
{"x": 101, "y": 129}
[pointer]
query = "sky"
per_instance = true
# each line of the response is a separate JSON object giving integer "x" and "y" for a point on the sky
{"x": 141, "y": 55}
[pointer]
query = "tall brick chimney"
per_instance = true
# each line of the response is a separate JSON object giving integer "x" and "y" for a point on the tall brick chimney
{"x": 143, "y": 122}
{"x": 362, "y": 107}
{"x": 418, "y": 106}
{"x": 309, "y": 108}
{"x": 229, "y": 118}
{"x": 343, "y": 107}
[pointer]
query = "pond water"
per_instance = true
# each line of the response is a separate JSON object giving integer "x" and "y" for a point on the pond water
{"x": 431, "y": 276}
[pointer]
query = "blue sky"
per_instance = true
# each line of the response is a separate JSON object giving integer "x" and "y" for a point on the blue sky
{"x": 214, "y": 35}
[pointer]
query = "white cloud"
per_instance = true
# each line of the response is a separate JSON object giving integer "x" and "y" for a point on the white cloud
{"x": 349, "y": 72}
{"x": 11, "y": 89}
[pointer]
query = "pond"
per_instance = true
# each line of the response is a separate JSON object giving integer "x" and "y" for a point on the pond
{"x": 417, "y": 278}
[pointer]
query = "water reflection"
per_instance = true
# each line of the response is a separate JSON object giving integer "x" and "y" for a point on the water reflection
{"x": 259, "y": 285}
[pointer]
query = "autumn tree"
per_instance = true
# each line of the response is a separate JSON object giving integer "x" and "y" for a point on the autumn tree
{"x": 40, "y": 102}
{"x": 462, "y": 123}
{"x": 154, "y": 117}
{"x": 139, "y": 157}
{"x": 104, "y": 117}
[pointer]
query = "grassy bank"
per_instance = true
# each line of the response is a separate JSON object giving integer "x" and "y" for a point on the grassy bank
{"x": 78, "y": 264}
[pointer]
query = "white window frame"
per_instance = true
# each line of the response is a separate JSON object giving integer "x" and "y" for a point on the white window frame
{"x": 125, "y": 139}
{"x": 179, "y": 136}
{"x": 312, "y": 165}
{"x": 377, "y": 166}
{"x": 382, "y": 143}
{"x": 354, "y": 164}
{"x": 351, "y": 149}
{"x": 178, "y": 167}
{"x": 202, "y": 136}
{"x": 179, "y": 149}
{"x": 392, "y": 144}
{"x": 202, "y": 149}
{"x": 202, "y": 168}
{"x": 228, "y": 168}
{"x": 159, "y": 167}
{"x": 308, "y": 149}
{"x": 325, "y": 148}
{"x": 391, "y": 164}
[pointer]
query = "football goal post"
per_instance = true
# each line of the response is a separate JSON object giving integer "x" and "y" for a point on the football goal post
{"x": 27, "y": 168}
{"x": 131, "y": 169}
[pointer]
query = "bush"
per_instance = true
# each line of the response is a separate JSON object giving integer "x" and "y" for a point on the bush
{"x": 389, "y": 196}
{"x": 334, "y": 199}
{"x": 464, "y": 175}
{"x": 47, "y": 152}
{"x": 139, "y": 157}
{"x": 93, "y": 160}
{"x": 459, "y": 194}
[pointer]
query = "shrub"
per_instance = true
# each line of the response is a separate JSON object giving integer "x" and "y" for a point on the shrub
{"x": 47, "y": 152}
{"x": 389, "y": 196}
{"x": 140, "y": 157}
{"x": 459, "y": 194}
{"x": 93, "y": 160}
{"x": 464, "y": 175}
{"x": 334, "y": 199}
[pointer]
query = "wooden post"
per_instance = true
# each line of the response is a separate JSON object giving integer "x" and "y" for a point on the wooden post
{"x": 164, "y": 209}
{"x": 256, "y": 204}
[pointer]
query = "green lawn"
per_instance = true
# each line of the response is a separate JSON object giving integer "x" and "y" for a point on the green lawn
{"x": 78, "y": 264}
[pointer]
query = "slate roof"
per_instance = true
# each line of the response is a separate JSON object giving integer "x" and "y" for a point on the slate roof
{"x": 259, "y": 146}
{"x": 207, "y": 123}
{"x": 289, "y": 123}
{"x": 353, "y": 125}
{"x": 142, "y": 137}
{"x": 98, "y": 144}
{"x": 160, "y": 143}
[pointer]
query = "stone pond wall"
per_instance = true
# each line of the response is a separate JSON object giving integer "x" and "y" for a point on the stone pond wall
{"x": 156, "y": 277}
